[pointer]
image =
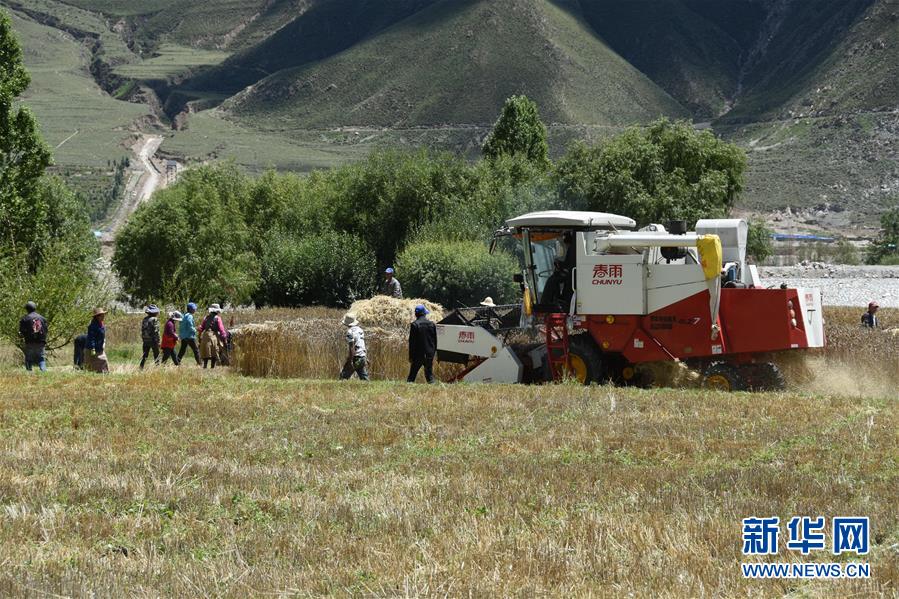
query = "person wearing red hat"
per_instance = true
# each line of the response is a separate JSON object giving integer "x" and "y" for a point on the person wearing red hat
{"x": 869, "y": 318}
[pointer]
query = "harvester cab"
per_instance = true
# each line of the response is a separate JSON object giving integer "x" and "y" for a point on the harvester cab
{"x": 602, "y": 301}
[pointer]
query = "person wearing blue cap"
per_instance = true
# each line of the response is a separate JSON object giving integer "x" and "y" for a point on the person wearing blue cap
{"x": 149, "y": 334}
{"x": 422, "y": 345}
{"x": 391, "y": 285}
{"x": 187, "y": 330}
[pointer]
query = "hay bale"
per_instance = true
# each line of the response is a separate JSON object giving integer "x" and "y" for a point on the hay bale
{"x": 388, "y": 312}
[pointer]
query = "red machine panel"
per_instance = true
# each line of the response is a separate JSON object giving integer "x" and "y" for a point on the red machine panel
{"x": 762, "y": 320}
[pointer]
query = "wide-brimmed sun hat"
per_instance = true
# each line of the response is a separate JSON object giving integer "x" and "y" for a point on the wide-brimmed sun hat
{"x": 488, "y": 301}
{"x": 215, "y": 308}
{"x": 349, "y": 320}
{"x": 176, "y": 315}
{"x": 151, "y": 309}
{"x": 99, "y": 311}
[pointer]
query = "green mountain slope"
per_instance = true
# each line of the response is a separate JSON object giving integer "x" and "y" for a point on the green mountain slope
{"x": 692, "y": 57}
{"x": 456, "y": 62}
{"x": 323, "y": 30}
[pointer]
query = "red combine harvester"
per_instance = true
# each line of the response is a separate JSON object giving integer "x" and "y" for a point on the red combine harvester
{"x": 602, "y": 302}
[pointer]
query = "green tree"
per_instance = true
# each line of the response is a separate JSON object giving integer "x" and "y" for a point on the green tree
{"x": 46, "y": 245}
{"x": 64, "y": 289}
{"x": 885, "y": 249}
{"x": 328, "y": 269}
{"x": 758, "y": 243}
{"x": 457, "y": 273}
{"x": 519, "y": 131}
{"x": 654, "y": 174}
{"x": 23, "y": 158}
{"x": 191, "y": 240}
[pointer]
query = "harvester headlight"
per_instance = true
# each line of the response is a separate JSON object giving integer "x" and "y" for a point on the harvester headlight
{"x": 610, "y": 319}
{"x": 790, "y": 304}
{"x": 793, "y": 322}
{"x": 792, "y": 313}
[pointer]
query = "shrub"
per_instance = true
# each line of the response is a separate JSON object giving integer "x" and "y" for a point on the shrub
{"x": 327, "y": 269}
{"x": 457, "y": 273}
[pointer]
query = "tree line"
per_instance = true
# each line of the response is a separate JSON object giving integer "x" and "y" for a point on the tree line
{"x": 289, "y": 240}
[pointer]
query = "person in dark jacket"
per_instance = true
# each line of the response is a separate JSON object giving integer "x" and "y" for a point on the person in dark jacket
{"x": 95, "y": 346}
{"x": 78, "y": 359}
{"x": 869, "y": 318}
{"x": 422, "y": 345}
{"x": 33, "y": 331}
{"x": 149, "y": 334}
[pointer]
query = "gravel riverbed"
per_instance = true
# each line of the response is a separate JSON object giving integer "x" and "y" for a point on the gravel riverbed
{"x": 842, "y": 285}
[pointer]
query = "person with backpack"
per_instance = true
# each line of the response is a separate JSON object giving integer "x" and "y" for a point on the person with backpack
{"x": 149, "y": 334}
{"x": 188, "y": 333}
{"x": 213, "y": 336}
{"x": 170, "y": 338}
{"x": 33, "y": 331}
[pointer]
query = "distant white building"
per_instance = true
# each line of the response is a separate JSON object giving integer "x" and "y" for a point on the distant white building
{"x": 172, "y": 169}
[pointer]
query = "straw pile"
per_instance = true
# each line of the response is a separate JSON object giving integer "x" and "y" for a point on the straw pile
{"x": 385, "y": 311}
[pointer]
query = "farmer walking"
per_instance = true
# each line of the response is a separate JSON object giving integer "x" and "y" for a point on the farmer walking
{"x": 869, "y": 318}
{"x": 391, "y": 285}
{"x": 355, "y": 359}
{"x": 188, "y": 333}
{"x": 422, "y": 345}
{"x": 170, "y": 338}
{"x": 213, "y": 336}
{"x": 149, "y": 334}
{"x": 95, "y": 344}
{"x": 33, "y": 331}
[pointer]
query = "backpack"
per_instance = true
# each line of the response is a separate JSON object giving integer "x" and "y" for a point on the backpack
{"x": 148, "y": 328}
{"x": 37, "y": 333}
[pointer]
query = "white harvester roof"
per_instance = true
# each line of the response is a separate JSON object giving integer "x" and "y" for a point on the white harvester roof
{"x": 572, "y": 219}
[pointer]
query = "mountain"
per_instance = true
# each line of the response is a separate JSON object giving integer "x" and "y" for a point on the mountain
{"x": 810, "y": 88}
{"x": 456, "y": 61}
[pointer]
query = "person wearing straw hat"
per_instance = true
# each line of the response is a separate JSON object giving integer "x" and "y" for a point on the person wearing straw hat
{"x": 95, "y": 344}
{"x": 170, "y": 338}
{"x": 356, "y": 360}
{"x": 212, "y": 336}
{"x": 391, "y": 285}
{"x": 422, "y": 345}
{"x": 149, "y": 334}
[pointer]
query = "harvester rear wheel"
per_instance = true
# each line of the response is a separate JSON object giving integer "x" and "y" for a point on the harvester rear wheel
{"x": 721, "y": 376}
{"x": 586, "y": 360}
{"x": 764, "y": 376}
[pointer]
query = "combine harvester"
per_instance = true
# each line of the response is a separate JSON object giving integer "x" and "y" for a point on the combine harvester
{"x": 602, "y": 302}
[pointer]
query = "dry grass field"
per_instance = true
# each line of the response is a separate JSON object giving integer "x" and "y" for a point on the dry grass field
{"x": 188, "y": 483}
{"x": 207, "y": 483}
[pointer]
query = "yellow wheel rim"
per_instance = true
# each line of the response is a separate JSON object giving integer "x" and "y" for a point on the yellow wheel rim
{"x": 578, "y": 368}
{"x": 718, "y": 382}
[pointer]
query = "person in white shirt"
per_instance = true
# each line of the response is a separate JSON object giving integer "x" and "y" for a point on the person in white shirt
{"x": 355, "y": 340}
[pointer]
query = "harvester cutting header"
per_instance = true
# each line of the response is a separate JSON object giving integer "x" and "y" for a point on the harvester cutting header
{"x": 601, "y": 301}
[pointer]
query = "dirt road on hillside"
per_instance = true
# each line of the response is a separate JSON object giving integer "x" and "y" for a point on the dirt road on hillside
{"x": 138, "y": 190}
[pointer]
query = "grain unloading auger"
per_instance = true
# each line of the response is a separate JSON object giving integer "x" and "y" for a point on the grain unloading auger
{"x": 602, "y": 302}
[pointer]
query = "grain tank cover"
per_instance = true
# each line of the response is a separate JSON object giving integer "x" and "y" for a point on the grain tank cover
{"x": 732, "y": 232}
{"x": 569, "y": 219}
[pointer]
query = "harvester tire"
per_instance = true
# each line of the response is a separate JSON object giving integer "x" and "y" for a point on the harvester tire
{"x": 764, "y": 376}
{"x": 722, "y": 376}
{"x": 586, "y": 360}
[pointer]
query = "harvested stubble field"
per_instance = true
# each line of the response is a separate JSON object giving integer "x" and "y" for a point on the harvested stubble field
{"x": 174, "y": 483}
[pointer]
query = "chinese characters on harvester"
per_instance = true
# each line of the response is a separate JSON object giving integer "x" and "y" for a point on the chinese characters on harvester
{"x": 849, "y": 535}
